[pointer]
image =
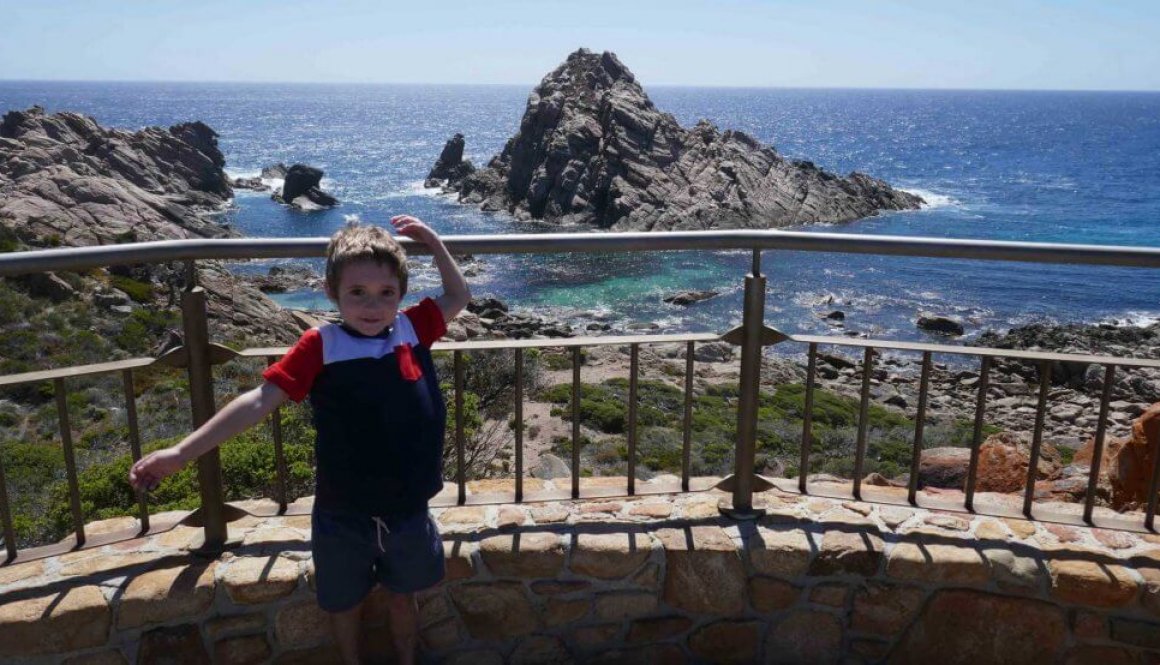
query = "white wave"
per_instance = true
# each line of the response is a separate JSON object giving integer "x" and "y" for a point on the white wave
{"x": 1132, "y": 319}
{"x": 932, "y": 199}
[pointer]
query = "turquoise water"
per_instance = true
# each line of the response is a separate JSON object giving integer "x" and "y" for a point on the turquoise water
{"x": 1034, "y": 166}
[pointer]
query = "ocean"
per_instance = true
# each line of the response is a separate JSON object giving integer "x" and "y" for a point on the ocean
{"x": 1071, "y": 167}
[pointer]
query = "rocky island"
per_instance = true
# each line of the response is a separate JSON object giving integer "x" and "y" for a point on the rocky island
{"x": 593, "y": 149}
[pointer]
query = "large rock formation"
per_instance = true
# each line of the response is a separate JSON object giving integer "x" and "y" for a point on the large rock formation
{"x": 66, "y": 181}
{"x": 593, "y": 149}
{"x": 301, "y": 188}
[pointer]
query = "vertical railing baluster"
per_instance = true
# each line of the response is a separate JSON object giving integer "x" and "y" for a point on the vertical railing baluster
{"x": 1037, "y": 436}
{"x": 135, "y": 442}
{"x": 280, "y": 474}
{"x": 6, "y": 515}
{"x": 199, "y": 369}
{"x": 863, "y": 420}
{"x": 70, "y": 463}
{"x": 919, "y": 424}
{"x": 634, "y": 368}
{"x": 749, "y": 387}
{"x": 687, "y": 440}
{"x": 575, "y": 422}
{"x": 460, "y": 462}
{"x": 808, "y": 419}
{"x": 977, "y": 436}
{"x": 519, "y": 416}
{"x": 1098, "y": 450}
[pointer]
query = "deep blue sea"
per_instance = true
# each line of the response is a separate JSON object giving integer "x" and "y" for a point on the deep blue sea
{"x": 1073, "y": 167}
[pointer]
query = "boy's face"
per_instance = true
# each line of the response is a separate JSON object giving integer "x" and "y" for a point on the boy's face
{"x": 367, "y": 296}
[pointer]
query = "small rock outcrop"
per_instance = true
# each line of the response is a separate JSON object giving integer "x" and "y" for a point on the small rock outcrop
{"x": 301, "y": 189}
{"x": 450, "y": 165}
{"x": 593, "y": 149}
{"x": 942, "y": 325}
{"x": 689, "y": 297}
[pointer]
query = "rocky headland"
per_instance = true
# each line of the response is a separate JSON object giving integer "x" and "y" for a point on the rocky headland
{"x": 593, "y": 149}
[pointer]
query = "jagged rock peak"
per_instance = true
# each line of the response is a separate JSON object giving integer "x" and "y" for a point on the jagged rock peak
{"x": 593, "y": 149}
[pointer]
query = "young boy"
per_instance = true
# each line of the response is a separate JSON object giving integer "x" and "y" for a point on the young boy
{"x": 379, "y": 417}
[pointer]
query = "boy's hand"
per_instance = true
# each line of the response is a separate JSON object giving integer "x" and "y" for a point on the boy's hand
{"x": 150, "y": 470}
{"x": 413, "y": 227}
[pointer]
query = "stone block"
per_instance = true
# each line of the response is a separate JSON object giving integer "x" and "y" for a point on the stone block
{"x": 589, "y": 637}
{"x": 1148, "y": 566}
{"x": 112, "y": 657}
{"x": 559, "y": 611}
{"x": 652, "y": 510}
{"x": 703, "y": 572}
{"x": 1088, "y": 578}
{"x": 1013, "y": 572}
{"x": 990, "y": 530}
{"x": 173, "y": 645}
{"x": 510, "y": 516}
{"x": 523, "y": 555}
{"x": 1136, "y": 632}
{"x": 117, "y": 564}
{"x": 727, "y": 642}
{"x": 246, "y": 650}
{"x": 781, "y": 553}
{"x": 769, "y": 594}
{"x": 969, "y": 627}
{"x": 648, "y": 577}
{"x": 21, "y": 572}
{"x": 301, "y": 624}
{"x": 936, "y": 559}
{"x": 610, "y": 556}
{"x": 55, "y": 623}
{"x": 805, "y": 636}
{"x": 474, "y": 516}
{"x": 1022, "y": 529}
{"x": 275, "y": 539}
{"x": 559, "y": 587}
{"x": 621, "y": 605}
{"x": 219, "y": 627}
{"x": 550, "y": 514}
{"x": 540, "y": 649}
{"x": 654, "y": 629}
{"x": 164, "y": 594}
{"x": 252, "y": 580}
{"x": 830, "y": 595}
{"x": 441, "y": 636}
{"x": 1090, "y": 654}
{"x": 885, "y": 609}
{"x": 457, "y": 557}
{"x": 853, "y": 552}
{"x": 494, "y": 610}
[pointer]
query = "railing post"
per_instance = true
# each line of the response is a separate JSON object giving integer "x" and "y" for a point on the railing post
{"x": 753, "y": 323}
{"x": 201, "y": 399}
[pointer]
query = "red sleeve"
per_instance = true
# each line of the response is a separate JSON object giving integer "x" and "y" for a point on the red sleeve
{"x": 295, "y": 372}
{"x": 428, "y": 321}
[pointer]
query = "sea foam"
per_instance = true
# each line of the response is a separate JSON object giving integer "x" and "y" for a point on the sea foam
{"x": 932, "y": 199}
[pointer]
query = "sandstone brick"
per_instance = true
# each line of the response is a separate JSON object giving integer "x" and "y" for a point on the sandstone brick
{"x": 609, "y": 507}
{"x": 610, "y": 556}
{"x": 21, "y": 572}
{"x": 652, "y": 509}
{"x": 464, "y": 515}
{"x": 1088, "y": 625}
{"x": 1116, "y": 540}
{"x": 540, "y": 649}
{"x": 178, "y": 645}
{"x": 457, "y": 557}
{"x": 587, "y": 637}
{"x": 648, "y": 577}
{"x": 524, "y": 555}
{"x": 442, "y": 635}
{"x": 885, "y": 609}
{"x": 990, "y": 530}
{"x": 55, "y": 623}
{"x": 620, "y": 605}
{"x": 780, "y": 552}
{"x": 654, "y": 629}
{"x": 805, "y": 636}
{"x": 1136, "y": 632}
{"x": 503, "y": 485}
{"x": 938, "y": 561}
{"x": 560, "y": 611}
{"x": 768, "y": 594}
{"x": 863, "y": 509}
{"x": 434, "y": 607}
{"x": 112, "y": 657}
{"x": 701, "y": 509}
{"x": 252, "y": 580}
{"x": 559, "y": 587}
{"x": 727, "y": 642}
{"x": 892, "y": 517}
{"x": 967, "y": 627}
{"x": 949, "y": 522}
{"x": 1063, "y": 533}
{"x": 1148, "y": 565}
{"x": 275, "y": 538}
{"x": 301, "y": 624}
{"x": 118, "y": 563}
{"x": 831, "y": 595}
{"x": 871, "y": 650}
{"x": 300, "y": 522}
{"x": 1013, "y": 572}
{"x": 238, "y": 624}
{"x": 703, "y": 570}
{"x": 550, "y": 514}
{"x": 848, "y": 553}
{"x": 165, "y": 594}
{"x": 241, "y": 650}
{"x": 1021, "y": 528}
{"x": 1090, "y": 654}
{"x": 1084, "y": 577}
{"x": 510, "y": 516}
{"x": 494, "y": 610}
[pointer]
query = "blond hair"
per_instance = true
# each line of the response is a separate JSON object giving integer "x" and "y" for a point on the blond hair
{"x": 356, "y": 242}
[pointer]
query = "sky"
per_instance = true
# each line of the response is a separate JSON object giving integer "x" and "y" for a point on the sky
{"x": 988, "y": 44}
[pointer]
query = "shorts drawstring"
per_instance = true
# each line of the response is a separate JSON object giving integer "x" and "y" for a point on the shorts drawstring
{"x": 380, "y": 527}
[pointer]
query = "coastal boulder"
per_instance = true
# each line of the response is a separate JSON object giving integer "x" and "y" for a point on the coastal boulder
{"x": 450, "y": 165}
{"x": 301, "y": 188}
{"x": 593, "y": 149}
{"x": 940, "y": 324}
{"x": 1127, "y": 463}
{"x": 689, "y": 297}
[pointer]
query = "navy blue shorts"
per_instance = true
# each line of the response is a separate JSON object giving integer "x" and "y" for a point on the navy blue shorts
{"x": 354, "y": 551}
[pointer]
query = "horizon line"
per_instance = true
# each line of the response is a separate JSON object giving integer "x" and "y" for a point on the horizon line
{"x": 652, "y": 85}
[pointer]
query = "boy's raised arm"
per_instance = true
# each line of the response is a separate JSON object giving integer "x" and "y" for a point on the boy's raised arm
{"x": 247, "y": 410}
{"x": 456, "y": 293}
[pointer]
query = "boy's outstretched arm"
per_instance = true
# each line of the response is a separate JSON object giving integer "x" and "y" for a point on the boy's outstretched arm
{"x": 456, "y": 293}
{"x": 245, "y": 411}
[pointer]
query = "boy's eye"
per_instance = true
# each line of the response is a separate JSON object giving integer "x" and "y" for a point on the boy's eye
{"x": 357, "y": 292}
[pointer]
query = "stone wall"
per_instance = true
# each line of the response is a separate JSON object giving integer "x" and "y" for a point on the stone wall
{"x": 652, "y": 579}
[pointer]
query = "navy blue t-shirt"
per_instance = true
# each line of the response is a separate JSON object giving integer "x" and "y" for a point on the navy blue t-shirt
{"x": 378, "y": 411}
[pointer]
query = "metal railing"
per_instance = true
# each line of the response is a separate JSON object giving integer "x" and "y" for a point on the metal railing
{"x": 198, "y": 356}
